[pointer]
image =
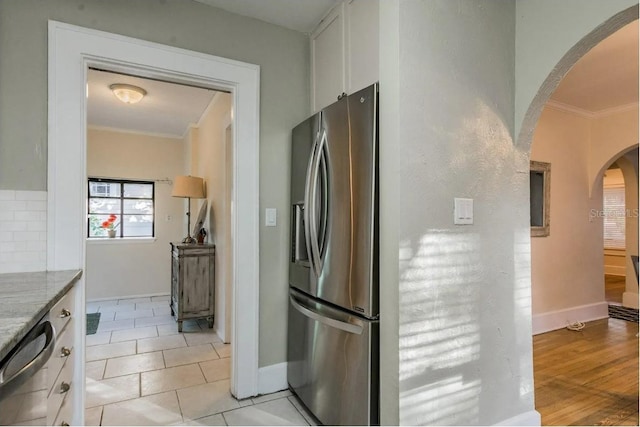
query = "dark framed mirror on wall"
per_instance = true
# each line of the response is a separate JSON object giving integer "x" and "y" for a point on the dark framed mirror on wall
{"x": 539, "y": 183}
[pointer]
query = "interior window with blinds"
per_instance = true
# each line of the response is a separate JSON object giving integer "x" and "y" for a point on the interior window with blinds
{"x": 614, "y": 217}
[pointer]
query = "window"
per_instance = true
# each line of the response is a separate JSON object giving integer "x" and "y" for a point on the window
{"x": 130, "y": 204}
{"x": 614, "y": 217}
{"x": 539, "y": 186}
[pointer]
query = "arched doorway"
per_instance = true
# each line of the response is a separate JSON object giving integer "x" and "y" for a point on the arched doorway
{"x": 590, "y": 301}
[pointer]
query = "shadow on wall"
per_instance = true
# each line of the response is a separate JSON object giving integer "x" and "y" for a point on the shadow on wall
{"x": 442, "y": 346}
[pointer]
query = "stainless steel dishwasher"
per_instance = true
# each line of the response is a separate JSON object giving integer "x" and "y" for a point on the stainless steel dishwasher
{"x": 23, "y": 377}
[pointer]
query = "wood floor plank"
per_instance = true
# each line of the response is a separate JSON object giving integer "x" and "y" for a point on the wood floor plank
{"x": 588, "y": 377}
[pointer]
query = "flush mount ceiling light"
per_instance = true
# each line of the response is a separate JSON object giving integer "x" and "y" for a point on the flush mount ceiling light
{"x": 128, "y": 94}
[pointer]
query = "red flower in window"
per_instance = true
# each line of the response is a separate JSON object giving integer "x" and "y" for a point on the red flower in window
{"x": 110, "y": 223}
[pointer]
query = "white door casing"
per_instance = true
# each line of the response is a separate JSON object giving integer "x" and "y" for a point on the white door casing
{"x": 72, "y": 50}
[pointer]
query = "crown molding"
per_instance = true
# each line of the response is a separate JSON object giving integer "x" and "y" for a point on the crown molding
{"x": 616, "y": 110}
{"x": 591, "y": 114}
{"x": 570, "y": 109}
{"x": 133, "y": 132}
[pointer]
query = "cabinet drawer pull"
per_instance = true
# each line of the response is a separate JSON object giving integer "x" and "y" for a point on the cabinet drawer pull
{"x": 64, "y": 387}
{"x": 65, "y": 313}
{"x": 64, "y": 352}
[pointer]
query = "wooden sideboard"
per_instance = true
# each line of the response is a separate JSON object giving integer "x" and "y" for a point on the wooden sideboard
{"x": 192, "y": 282}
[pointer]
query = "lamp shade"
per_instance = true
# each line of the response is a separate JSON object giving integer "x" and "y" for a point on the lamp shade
{"x": 188, "y": 186}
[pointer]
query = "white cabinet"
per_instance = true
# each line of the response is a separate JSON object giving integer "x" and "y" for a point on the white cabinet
{"x": 344, "y": 51}
{"x": 61, "y": 365}
{"x": 328, "y": 60}
{"x": 362, "y": 34}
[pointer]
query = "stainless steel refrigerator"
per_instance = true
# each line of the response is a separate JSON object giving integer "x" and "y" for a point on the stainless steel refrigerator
{"x": 333, "y": 335}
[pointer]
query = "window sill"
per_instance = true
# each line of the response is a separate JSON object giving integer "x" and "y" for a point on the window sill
{"x": 120, "y": 240}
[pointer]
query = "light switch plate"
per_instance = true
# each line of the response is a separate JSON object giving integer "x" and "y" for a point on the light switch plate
{"x": 270, "y": 217}
{"x": 462, "y": 211}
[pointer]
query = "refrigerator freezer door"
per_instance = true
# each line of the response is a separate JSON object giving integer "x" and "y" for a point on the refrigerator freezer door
{"x": 331, "y": 363}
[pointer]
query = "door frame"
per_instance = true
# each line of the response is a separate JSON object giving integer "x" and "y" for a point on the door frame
{"x": 72, "y": 50}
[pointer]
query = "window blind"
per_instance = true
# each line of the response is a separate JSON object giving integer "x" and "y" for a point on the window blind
{"x": 614, "y": 217}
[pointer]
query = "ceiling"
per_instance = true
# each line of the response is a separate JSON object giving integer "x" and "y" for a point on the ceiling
{"x": 168, "y": 108}
{"x": 606, "y": 77}
{"x": 299, "y": 15}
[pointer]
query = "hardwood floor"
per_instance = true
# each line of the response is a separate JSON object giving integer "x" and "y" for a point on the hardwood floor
{"x": 614, "y": 287}
{"x": 588, "y": 377}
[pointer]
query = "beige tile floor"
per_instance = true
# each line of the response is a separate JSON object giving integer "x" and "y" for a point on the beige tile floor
{"x": 141, "y": 371}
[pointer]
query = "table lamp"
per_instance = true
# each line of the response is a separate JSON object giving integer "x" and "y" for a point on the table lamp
{"x": 188, "y": 187}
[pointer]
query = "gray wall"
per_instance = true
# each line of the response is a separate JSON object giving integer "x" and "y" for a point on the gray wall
{"x": 463, "y": 301}
{"x": 282, "y": 54}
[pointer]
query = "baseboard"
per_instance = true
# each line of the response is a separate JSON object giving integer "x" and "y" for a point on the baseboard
{"x": 221, "y": 335}
{"x": 128, "y": 297}
{"x": 272, "y": 378}
{"x": 552, "y": 320}
{"x": 530, "y": 418}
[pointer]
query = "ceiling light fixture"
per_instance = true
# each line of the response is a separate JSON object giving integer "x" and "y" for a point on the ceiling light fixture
{"x": 128, "y": 94}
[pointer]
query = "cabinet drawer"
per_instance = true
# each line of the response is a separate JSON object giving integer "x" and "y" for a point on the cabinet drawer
{"x": 62, "y": 387}
{"x": 66, "y": 412}
{"x": 62, "y": 312}
{"x": 64, "y": 345}
{"x": 195, "y": 251}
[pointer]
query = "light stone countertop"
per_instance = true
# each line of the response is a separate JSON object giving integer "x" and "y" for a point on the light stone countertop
{"x": 25, "y": 298}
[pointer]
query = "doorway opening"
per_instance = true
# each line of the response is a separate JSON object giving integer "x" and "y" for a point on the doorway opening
{"x": 135, "y": 151}
{"x": 72, "y": 51}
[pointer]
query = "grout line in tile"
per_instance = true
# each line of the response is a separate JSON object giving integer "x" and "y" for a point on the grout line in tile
{"x": 304, "y": 417}
{"x": 179, "y": 405}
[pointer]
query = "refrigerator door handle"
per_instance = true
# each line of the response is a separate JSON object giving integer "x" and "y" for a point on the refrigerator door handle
{"x": 343, "y": 326}
{"x": 312, "y": 184}
{"x": 308, "y": 208}
{"x": 324, "y": 200}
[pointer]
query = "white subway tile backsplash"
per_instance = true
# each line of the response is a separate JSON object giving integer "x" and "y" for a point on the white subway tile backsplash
{"x": 13, "y": 246}
{"x": 29, "y": 215}
{"x": 7, "y": 195}
{"x": 31, "y": 195}
{"x": 13, "y": 226}
{"x": 37, "y": 226}
{"x": 12, "y": 205}
{"x": 37, "y": 205}
{"x": 39, "y": 246}
{"x": 23, "y": 235}
{"x": 26, "y": 235}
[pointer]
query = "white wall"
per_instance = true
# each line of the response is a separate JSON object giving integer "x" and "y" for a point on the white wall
{"x": 209, "y": 148}
{"x": 121, "y": 268}
{"x": 464, "y": 308}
